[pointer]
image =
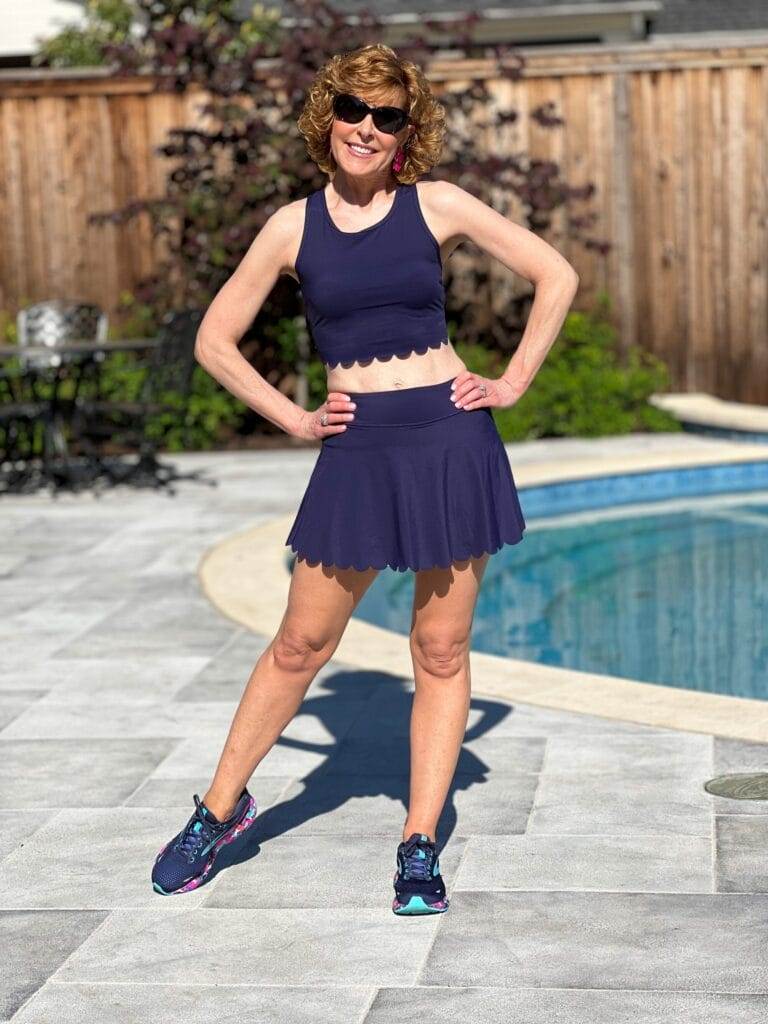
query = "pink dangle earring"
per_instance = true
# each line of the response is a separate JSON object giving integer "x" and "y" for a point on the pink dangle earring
{"x": 399, "y": 160}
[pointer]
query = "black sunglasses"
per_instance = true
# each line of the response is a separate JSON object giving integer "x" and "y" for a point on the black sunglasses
{"x": 352, "y": 110}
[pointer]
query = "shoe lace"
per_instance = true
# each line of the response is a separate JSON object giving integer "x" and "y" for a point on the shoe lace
{"x": 197, "y": 831}
{"x": 418, "y": 858}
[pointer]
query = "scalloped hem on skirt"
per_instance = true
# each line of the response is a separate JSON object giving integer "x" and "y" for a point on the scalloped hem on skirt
{"x": 413, "y": 483}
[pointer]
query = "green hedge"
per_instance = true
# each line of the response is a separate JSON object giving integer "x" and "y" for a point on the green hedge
{"x": 581, "y": 388}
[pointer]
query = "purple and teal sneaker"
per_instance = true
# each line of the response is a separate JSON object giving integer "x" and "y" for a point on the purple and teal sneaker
{"x": 419, "y": 887}
{"x": 186, "y": 861}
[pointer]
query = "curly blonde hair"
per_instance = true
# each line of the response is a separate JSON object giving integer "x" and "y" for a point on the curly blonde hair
{"x": 375, "y": 68}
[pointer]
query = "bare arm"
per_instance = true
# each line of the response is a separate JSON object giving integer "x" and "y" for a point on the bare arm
{"x": 231, "y": 313}
{"x": 522, "y": 251}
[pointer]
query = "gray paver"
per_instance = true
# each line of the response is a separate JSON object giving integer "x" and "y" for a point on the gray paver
{"x": 268, "y": 947}
{"x": 622, "y": 803}
{"x": 90, "y": 859}
{"x": 587, "y": 863}
{"x": 195, "y": 1004}
{"x": 75, "y": 772}
{"x": 457, "y": 1005}
{"x": 35, "y": 944}
{"x": 603, "y": 940}
{"x": 741, "y": 843}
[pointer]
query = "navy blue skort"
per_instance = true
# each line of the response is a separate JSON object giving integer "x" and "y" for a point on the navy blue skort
{"x": 412, "y": 483}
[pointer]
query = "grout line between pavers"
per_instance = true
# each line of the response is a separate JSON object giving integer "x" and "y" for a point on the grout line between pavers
{"x": 369, "y": 1005}
{"x": 72, "y": 952}
{"x": 178, "y": 741}
{"x": 424, "y": 988}
{"x": 713, "y": 824}
{"x": 439, "y": 922}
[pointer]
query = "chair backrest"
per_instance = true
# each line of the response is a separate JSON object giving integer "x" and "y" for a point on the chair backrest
{"x": 55, "y": 321}
{"x": 172, "y": 361}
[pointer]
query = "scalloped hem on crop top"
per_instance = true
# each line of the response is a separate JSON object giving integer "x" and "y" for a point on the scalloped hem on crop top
{"x": 407, "y": 350}
{"x": 383, "y": 283}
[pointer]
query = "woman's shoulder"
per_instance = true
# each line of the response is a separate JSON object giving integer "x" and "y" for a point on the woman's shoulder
{"x": 287, "y": 223}
{"x": 441, "y": 203}
{"x": 440, "y": 194}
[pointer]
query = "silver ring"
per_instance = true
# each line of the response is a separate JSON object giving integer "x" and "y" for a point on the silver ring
{"x": 324, "y": 419}
{"x": 484, "y": 390}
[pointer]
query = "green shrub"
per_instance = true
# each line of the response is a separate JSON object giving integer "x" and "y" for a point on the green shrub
{"x": 211, "y": 410}
{"x": 581, "y": 388}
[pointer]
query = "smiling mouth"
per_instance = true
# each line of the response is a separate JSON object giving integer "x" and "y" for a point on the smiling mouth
{"x": 362, "y": 151}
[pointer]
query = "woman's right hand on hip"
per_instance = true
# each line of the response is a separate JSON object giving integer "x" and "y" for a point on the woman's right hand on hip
{"x": 337, "y": 410}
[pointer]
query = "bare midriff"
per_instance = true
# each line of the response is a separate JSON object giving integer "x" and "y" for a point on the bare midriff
{"x": 416, "y": 369}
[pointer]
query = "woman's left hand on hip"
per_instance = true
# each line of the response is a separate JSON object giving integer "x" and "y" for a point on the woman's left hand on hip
{"x": 471, "y": 391}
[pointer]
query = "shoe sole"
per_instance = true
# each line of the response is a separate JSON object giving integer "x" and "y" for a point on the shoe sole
{"x": 416, "y": 905}
{"x": 229, "y": 837}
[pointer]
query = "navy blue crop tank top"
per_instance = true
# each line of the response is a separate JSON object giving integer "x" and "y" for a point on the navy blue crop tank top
{"x": 374, "y": 293}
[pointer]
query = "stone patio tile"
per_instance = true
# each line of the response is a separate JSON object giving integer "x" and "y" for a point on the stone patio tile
{"x": 602, "y": 941}
{"x": 36, "y": 677}
{"x": 142, "y": 644}
{"x": 173, "y": 612}
{"x": 195, "y": 1004}
{"x": 17, "y": 826}
{"x": 356, "y": 684}
{"x": 20, "y": 593}
{"x": 452, "y": 1005}
{"x": 625, "y": 753}
{"x": 14, "y": 703}
{"x": 92, "y": 859}
{"x": 23, "y": 652}
{"x": 305, "y": 744}
{"x": 323, "y": 804}
{"x": 589, "y": 863}
{"x": 59, "y": 615}
{"x": 264, "y": 947}
{"x": 116, "y": 680}
{"x": 303, "y": 871}
{"x": 34, "y": 945}
{"x": 100, "y": 719}
{"x": 390, "y": 715}
{"x": 132, "y": 587}
{"x": 740, "y": 854}
{"x": 225, "y": 676}
{"x": 391, "y": 755}
{"x": 266, "y": 789}
{"x": 732, "y": 755}
{"x": 77, "y": 772}
{"x": 530, "y": 719}
{"x": 621, "y": 804}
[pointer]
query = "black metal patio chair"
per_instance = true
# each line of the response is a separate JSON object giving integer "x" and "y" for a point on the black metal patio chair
{"x": 165, "y": 388}
{"x": 51, "y": 323}
{"x": 18, "y": 416}
{"x": 54, "y": 321}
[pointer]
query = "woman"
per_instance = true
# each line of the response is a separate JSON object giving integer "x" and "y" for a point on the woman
{"x": 412, "y": 472}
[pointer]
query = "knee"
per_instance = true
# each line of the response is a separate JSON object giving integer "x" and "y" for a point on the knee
{"x": 296, "y": 651}
{"x": 440, "y": 654}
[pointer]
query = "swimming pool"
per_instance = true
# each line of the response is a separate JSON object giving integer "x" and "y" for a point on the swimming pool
{"x": 672, "y": 591}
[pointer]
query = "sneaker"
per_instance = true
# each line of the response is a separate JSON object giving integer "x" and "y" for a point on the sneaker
{"x": 419, "y": 887}
{"x": 185, "y": 862}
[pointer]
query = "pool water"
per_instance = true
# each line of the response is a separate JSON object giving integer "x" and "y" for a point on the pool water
{"x": 671, "y": 592}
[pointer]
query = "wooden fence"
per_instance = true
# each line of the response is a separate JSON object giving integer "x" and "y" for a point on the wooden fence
{"x": 674, "y": 138}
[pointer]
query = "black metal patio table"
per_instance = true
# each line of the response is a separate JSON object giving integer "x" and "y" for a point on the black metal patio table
{"x": 42, "y": 371}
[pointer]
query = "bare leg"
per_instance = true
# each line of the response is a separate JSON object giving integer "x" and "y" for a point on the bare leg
{"x": 320, "y": 602}
{"x": 443, "y": 610}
